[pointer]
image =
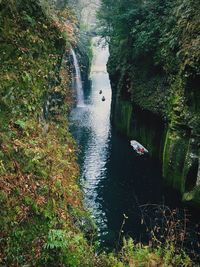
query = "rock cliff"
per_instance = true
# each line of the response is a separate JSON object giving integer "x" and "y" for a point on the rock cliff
{"x": 155, "y": 75}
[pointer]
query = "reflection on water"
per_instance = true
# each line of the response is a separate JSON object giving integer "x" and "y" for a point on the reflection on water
{"x": 91, "y": 129}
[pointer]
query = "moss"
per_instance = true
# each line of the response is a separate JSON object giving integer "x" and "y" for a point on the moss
{"x": 163, "y": 82}
{"x": 84, "y": 51}
{"x": 42, "y": 214}
{"x": 192, "y": 197}
{"x": 122, "y": 117}
{"x": 140, "y": 125}
{"x": 38, "y": 169}
{"x": 174, "y": 158}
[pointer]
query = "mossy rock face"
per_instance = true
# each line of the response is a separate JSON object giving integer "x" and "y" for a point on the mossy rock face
{"x": 172, "y": 139}
{"x": 192, "y": 197}
{"x": 161, "y": 83}
{"x": 174, "y": 157}
{"x": 141, "y": 125}
{"x": 122, "y": 117}
{"x": 38, "y": 168}
{"x": 171, "y": 143}
{"x": 192, "y": 176}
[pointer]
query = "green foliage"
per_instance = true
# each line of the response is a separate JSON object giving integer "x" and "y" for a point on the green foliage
{"x": 154, "y": 64}
{"x": 151, "y": 41}
{"x": 21, "y": 124}
{"x": 68, "y": 248}
{"x": 43, "y": 222}
{"x": 38, "y": 170}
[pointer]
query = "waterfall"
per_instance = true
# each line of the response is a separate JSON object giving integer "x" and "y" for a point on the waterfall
{"x": 77, "y": 80}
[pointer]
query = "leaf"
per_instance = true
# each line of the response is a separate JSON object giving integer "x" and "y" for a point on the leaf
{"x": 21, "y": 124}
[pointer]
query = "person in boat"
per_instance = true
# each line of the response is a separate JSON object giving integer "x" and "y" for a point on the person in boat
{"x": 100, "y": 92}
{"x": 142, "y": 150}
{"x": 103, "y": 98}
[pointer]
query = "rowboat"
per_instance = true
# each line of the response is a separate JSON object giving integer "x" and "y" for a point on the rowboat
{"x": 139, "y": 149}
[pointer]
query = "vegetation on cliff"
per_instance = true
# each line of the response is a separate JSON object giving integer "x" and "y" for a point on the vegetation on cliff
{"x": 43, "y": 222}
{"x": 40, "y": 199}
{"x": 154, "y": 65}
{"x": 149, "y": 40}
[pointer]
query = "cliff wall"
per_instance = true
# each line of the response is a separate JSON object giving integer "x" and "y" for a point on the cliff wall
{"x": 41, "y": 203}
{"x": 155, "y": 76}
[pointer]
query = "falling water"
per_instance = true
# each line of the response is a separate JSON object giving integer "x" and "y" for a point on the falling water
{"x": 77, "y": 80}
{"x": 90, "y": 126}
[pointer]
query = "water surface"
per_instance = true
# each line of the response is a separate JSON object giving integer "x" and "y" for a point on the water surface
{"x": 115, "y": 181}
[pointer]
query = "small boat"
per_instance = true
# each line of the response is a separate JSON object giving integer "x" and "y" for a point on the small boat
{"x": 103, "y": 98}
{"x": 100, "y": 92}
{"x": 139, "y": 149}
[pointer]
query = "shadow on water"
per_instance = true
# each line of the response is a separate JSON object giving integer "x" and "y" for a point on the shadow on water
{"x": 131, "y": 181}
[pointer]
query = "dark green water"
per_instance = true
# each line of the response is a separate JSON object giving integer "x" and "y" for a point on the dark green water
{"x": 115, "y": 180}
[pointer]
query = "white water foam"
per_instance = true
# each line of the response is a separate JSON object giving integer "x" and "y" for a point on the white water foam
{"x": 78, "y": 81}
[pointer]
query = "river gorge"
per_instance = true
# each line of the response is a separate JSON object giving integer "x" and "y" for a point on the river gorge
{"x": 99, "y": 136}
{"x": 120, "y": 187}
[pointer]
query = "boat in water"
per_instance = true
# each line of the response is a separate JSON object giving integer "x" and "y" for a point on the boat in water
{"x": 103, "y": 98}
{"x": 139, "y": 149}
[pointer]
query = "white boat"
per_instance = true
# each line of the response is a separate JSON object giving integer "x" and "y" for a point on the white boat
{"x": 139, "y": 149}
